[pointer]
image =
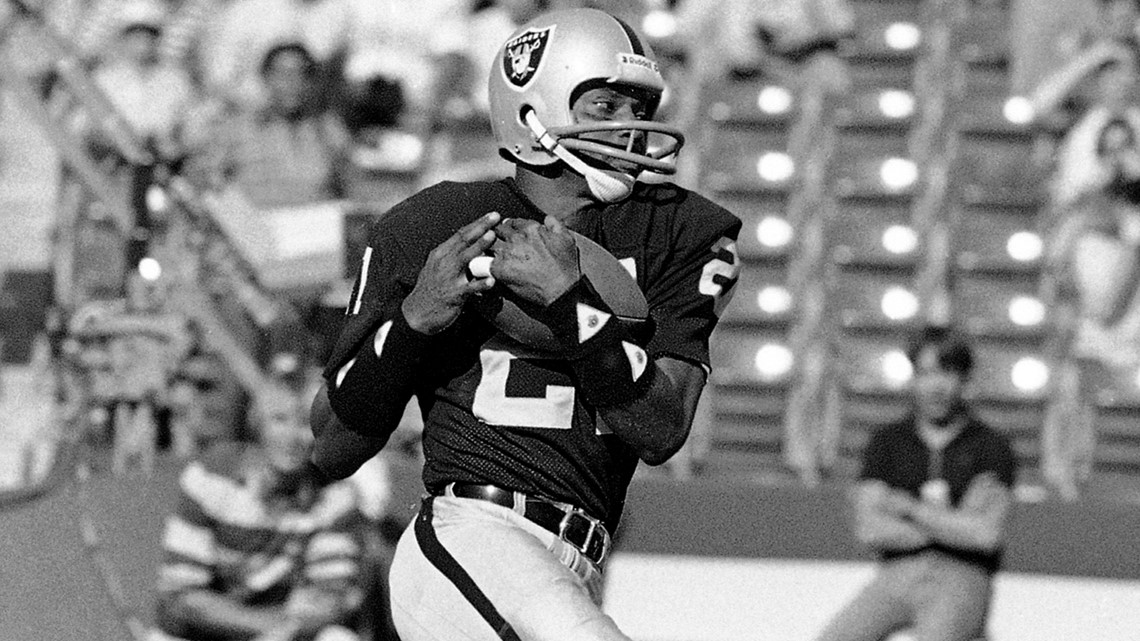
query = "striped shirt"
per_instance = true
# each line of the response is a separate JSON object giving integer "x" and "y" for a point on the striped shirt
{"x": 224, "y": 536}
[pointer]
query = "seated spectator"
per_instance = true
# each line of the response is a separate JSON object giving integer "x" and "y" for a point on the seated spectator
{"x": 257, "y": 546}
{"x": 128, "y": 351}
{"x": 289, "y": 151}
{"x": 412, "y": 67}
{"x": 932, "y": 501}
{"x": 244, "y": 31}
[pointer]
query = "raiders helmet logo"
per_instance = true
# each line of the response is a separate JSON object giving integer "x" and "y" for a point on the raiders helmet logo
{"x": 522, "y": 56}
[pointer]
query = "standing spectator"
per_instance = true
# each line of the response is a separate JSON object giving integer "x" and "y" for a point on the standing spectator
{"x": 932, "y": 500}
{"x": 1094, "y": 267}
{"x": 1113, "y": 69}
{"x": 151, "y": 94}
{"x": 528, "y": 454}
{"x": 258, "y": 547}
{"x": 151, "y": 98}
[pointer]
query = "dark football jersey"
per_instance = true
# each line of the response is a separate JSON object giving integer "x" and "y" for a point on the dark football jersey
{"x": 496, "y": 411}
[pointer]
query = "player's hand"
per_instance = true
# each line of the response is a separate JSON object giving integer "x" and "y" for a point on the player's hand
{"x": 537, "y": 261}
{"x": 443, "y": 286}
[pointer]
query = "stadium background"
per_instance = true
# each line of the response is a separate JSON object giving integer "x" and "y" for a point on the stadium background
{"x": 918, "y": 188}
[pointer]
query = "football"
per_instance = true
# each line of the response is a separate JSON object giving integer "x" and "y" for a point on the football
{"x": 609, "y": 277}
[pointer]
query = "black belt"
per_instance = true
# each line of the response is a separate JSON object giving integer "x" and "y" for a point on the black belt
{"x": 587, "y": 534}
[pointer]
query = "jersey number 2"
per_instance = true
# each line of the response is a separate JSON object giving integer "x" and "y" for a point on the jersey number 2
{"x": 554, "y": 410}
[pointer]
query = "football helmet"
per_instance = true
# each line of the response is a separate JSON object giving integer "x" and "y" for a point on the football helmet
{"x": 536, "y": 75}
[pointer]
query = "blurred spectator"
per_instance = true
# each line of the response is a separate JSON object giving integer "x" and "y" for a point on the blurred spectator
{"x": 257, "y": 546}
{"x": 149, "y": 93}
{"x": 1095, "y": 267}
{"x": 781, "y": 38}
{"x": 151, "y": 98}
{"x": 1112, "y": 73}
{"x": 127, "y": 352}
{"x": 794, "y": 43}
{"x": 932, "y": 501}
{"x": 290, "y": 151}
{"x": 206, "y": 402}
{"x": 1117, "y": 20}
{"x": 405, "y": 73}
{"x": 244, "y": 31}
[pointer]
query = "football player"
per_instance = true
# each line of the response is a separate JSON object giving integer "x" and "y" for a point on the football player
{"x": 528, "y": 452}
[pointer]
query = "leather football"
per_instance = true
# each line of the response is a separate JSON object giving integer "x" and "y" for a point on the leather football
{"x": 608, "y": 276}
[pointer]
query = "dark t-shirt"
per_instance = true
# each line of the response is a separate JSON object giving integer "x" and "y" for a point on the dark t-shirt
{"x": 897, "y": 456}
{"x": 498, "y": 412}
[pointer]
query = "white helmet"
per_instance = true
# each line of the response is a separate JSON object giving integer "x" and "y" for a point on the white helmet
{"x": 535, "y": 78}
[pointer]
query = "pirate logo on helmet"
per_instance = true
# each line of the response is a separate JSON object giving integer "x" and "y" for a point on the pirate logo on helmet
{"x": 522, "y": 56}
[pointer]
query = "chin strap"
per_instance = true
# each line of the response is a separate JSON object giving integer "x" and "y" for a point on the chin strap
{"x": 607, "y": 185}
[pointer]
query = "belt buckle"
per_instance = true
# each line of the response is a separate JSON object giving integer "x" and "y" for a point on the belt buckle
{"x": 564, "y": 524}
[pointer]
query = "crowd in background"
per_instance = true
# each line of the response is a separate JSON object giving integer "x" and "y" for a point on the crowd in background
{"x": 266, "y": 105}
{"x": 270, "y": 104}
{"x": 274, "y": 105}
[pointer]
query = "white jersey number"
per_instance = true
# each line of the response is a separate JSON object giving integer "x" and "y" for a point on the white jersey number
{"x": 555, "y": 410}
{"x": 726, "y": 270}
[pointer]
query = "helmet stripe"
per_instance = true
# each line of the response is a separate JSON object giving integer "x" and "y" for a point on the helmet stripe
{"x": 634, "y": 40}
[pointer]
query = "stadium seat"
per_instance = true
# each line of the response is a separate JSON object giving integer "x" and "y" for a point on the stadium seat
{"x": 748, "y": 159}
{"x": 874, "y": 363}
{"x": 887, "y": 111}
{"x": 752, "y": 375}
{"x": 996, "y": 238}
{"x": 997, "y": 170}
{"x": 762, "y": 297}
{"x": 873, "y": 233}
{"x": 747, "y": 431}
{"x": 753, "y": 102}
{"x": 766, "y": 233}
{"x": 751, "y": 357}
{"x": 874, "y": 299}
{"x": 998, "y": 304}
{"x": 887, "y": 29}
{"x": 1118, "y": 435}
{"x": 982, "y": 35}
{"x": 993, "y": 111}
{"x": 1010, "y": 370}
{"x": 863, "y": 173}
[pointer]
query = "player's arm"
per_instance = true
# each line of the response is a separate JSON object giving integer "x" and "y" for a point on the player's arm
{"x": 657, "y": 423}
{"x": 378, "y": 360}
{"x": 882, "y": 517}
{"x": 977, "y": 523}
{"x": 338, "y": 452}
{"x": 204, "y": 612}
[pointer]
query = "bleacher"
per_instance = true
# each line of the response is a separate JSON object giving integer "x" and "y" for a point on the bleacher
{"x": 915, "y": 197}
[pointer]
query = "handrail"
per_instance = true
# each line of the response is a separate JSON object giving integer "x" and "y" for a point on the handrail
{"x": 193, "y": 235}
{"x": 811, "y": 143}
{"x": 195, "y": 220}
